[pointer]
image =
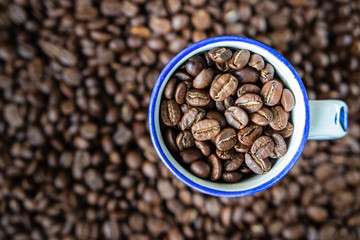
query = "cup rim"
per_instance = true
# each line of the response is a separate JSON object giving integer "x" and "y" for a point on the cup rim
{"x": 174, "y": 170}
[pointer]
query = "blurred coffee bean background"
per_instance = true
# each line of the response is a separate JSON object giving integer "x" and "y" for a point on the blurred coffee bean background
{"x": 76, "y": 160}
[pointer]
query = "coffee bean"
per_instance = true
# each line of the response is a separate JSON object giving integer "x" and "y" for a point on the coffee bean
{"x": 201, "y": 19}
{"x": 239, "y": 147}
{"x": 279, "y": 146}
{"x": 205, "y": 129}
{"x": 249, "y": 134}
{"x": 267, "y": 73}
{"x": 220, "y": 54}
{"x": 231, "y": 177}
{"x": 250, "y": 102}
{"x": 248, "y": 88}
{"x": 239, "y": 59}
{"x": 185, "y": 107}
{"x": 228, "y": 102}
{"x": 197, "y": 98}
{"x": 287, "y": 100}
{"x": 170, "y": 140}
{"x": 247, "y": 75}
{"x": 222, "y": 67}
{"x": 180, "y": 92}
{"x": 244, "y": 169}
{"x": 194, "y": 65}
{"x": 262, "y": 117}
{"x": 170, "y": 112}
{"x": 190, "y": 155}
{"x": 226, "y": 139}
{"x": 236, "y": 117}
{"x": 223, "y": 87}
{"x": 280, "y": 119}
{"x": 216, "y": 167}
{"x": 183, "y": 76}
{"x": 220, "y": 107}
{"x": 258, "y": 166}
{"x": 185, "y": 140}
{"x": 204, "y": 78}
{"x": 190, "y": 117}
{"x": 234, "y": 163}
{"x": 169, "y": 91}
{"x": 208, "y": 60}
{"x": 225, "y": 154}
{"x": 200, "y": 169}
{"x": 204, "y": 146}
{"x": 262, "y": 147}
{"x": 218, "y": 117}
{"x": 271, "y": 92}
{"x": 256, "y": 61}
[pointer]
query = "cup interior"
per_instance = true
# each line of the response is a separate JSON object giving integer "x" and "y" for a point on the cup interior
{"x": 299, "y": 114}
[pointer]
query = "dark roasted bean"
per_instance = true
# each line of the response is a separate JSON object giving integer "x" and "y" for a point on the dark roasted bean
{"x": 256, "y": 61}
{"x": 204, "y": 146}
{"x": 249, "y": 134}
{"x": 234, "y": 163}
{"x": 190, "y": 117}
{"x": 267, "y": 73}
{"x": 225, "y": 154}
{"x": 218, "y": 117}
{"x": 204, "y": 78}
{"x": 248, "y": 88}
{"x": 200, "y": 169}
{"x": 170, "y": 140}
{"x": 231, "y": 177}
{"x": 169, "y": 91}
{"x": 216, "y": 167}
{"x": 194, "y": 65}
{"x": 279, "y": 146}
{"x": 190, "y": 155}
{"x": 262, "y": 117}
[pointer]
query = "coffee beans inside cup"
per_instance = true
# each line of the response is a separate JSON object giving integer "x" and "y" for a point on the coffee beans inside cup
{"x": 226, "y": 114}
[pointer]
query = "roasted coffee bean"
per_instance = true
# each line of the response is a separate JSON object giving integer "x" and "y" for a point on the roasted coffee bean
{"x": 271, "y": 92}
{"x": 258, "y": 166}
{"x": 204, "y": 146}
{"x": 220, "y": 107}
{"x": 185, "y": 140}
{"x": 218, "y": 117}
{"x": 194, "y": 65}
{"x": 208, "y": 60}
{"x": 249, "y": 134}
{"x": 190, "y": 155}
{"x": 197, "y": 98}
{"x": 200, "y": 169}
{"x": 216, "y": 167}
{"x": 262, "y": 117}
{"x": 262, "y": 147}
{"x": 185, "y": 107}
{"x": 228, "y": 102}
{"x": 191, "y": 117}
{"x": 256, "y": 61}
{"x": 170, "y": 112}
{"x": 287, "y": 131}
{"x": 239, "y": 59}
{"x": 248, "y": 88}
{"x": 169, "y": 91}
{"x": 183, "y": 76}
{"x": 204, "y": 78}
{"x": 279, "y": 146}
{"x": 239, "y": 147}
{"x": 180, "y": 92}
{"x": 234, "y": 163}
{"x": 244, "y": 168}
{"x": 226, "y": 139}
{"x": 220, "y": 54}
{"x": 223, "y": 87}
{"x": 250, "y": 102}
{"x": 205, "y": 129}
{"x": 267, "y": 73}
{"x": 222, "y": 67}
{"x": 247, "y": 75}
{"x": 236, "y": 117}
{"x": 231, "y": 177}
{"x": 170, "y": 140}
{"x": 224, "y": 155}
{"x": 287, "y": 100}
{"x": 280, "y": 119}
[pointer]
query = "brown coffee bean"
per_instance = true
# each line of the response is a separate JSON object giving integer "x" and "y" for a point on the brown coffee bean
{"x": 231, "y": 177}
{"x": 200, "y": 169}
{"x": 279, "y": 146}
{"x": 247, "y": 75}
{"x": 197, "y": 98}
{"x": 220, "y": 54}
{"x": 220, "y": 107}
{"x": 223, "y": 87}
{"x": 204, "y": 146}
{"x": 169, "y": 91}
{"x": 170, "y": 140}
{"x": 271, "y": 92}
{"x": 185, "y": 140}
{"x": 225, "y": 154}
{"x": 208, "y": 60}
{"x": 204, "y": 78}
{"x": 89, "y": 130}
{"x": 280, "y": 119}
{"x": 228, "y": 102}
{"x": 194, "y": 65}
{"x": 287, "y": 100}
{"x": 262, "y": 117}
{"x": 267, "y": 73}
{"x": 185, "y": 107}
{"x": 183, "y": 76}
{"x": 216, "y": 167}
{"x": 258, "y": 166}
{"x": 262, "y": 147}
{"x": 249, "y": 134}
{"x": 250, "y": 102}
{"x": 248, "y": 88}
{"x": 191, "y": 117}
{"x": 170, "y": 112}
{"x": 201, "y": 19}
{"x": 222, "y": 67}
{"x": 226, "y": 139}
{"x": 239, "y": 147}
{"x": 236, "y": 117}
{"x": 256, "y": 61}
{"x": 244, "y": 169}
{"x": 190, "y": 155}
{"x": 218, "y": 117}
{"x": 234, "y": 163}
{"x": 180, "y": 92}
{"x": 205, "y": 129}
{"x": 239, "y": 59}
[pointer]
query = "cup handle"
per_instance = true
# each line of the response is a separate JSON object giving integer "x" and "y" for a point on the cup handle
{"x": 328, "y": 119}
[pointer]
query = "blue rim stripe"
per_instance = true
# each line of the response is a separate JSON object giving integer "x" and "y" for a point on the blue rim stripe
{"x": 179, "y": 175}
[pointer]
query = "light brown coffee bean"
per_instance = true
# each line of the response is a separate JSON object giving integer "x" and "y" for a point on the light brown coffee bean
{"x": 262, "y": 147}
{"x": 267, "y": 73}
{"x": 200, "y": 169}
{"x": 256, "y": 61}
{"x": 197, "y": 98}
{"x": 220, "y": 54}
{"x": 234, "y": 163}
{"x": 239, "y": 59}
{"x": 279, "y": 146}
{"x": 249, "y": 134}
{"x": 170, "y": 112}
{"x": 287, "y": 100}
{"x": 250, "y": 102}
{"x": 231, "y": 177}
{"x": 190, "y": 155}
{"x": 236, "y": 117}
{"x": 205, "y": 129}
{"x": 217, "y": 116}
{"x": 258, "y": 166}
{"x": 204, "y": 146}
{"x": 216, "y": 167}
{"x": 248, "y": 88}
{"x": 223, "y": 87}
{"x": 185, "y": 140}
{"x": 169, "y": 91}
{"x": 204, "y": 78}
{"x": 280, "y": 119}
{"x": 271, "y": 92}
{"x": 191, "y": 117}
{"x": 247, "y": 75}
{"x": 224, "y": 155}
{"x": 226, "y": 139}
{"x": 262, "y": 117}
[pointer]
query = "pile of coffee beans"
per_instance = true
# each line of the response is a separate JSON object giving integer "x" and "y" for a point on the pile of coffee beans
{"x": 226, "y": 114}
{"x": 76, "y": 159}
